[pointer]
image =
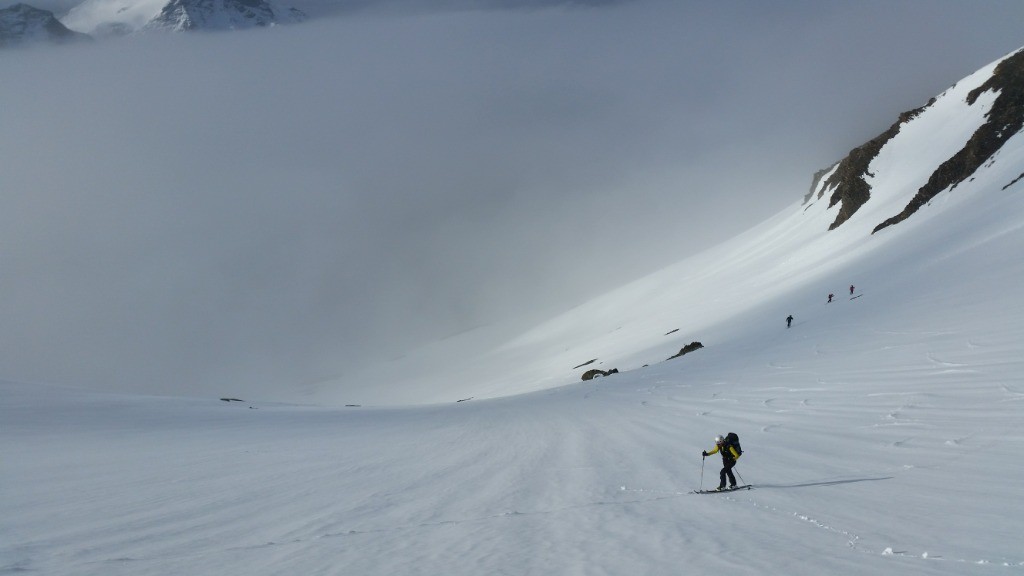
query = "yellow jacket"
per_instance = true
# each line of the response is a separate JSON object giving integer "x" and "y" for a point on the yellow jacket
{"x": 731, "y": 454}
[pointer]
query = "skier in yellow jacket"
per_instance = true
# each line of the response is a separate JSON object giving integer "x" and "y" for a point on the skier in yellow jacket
{"x": 730, "y": 453}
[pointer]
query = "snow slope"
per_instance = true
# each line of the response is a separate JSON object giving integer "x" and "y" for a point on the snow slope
{"x": 882, "y": 432}
{"x": 787, "y": 265}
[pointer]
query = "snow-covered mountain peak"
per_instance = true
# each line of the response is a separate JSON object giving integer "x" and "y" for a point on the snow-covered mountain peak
{"x": 22, "y": 24}
{"x": 112, "y": 17}
{"x": 181, "y": 15}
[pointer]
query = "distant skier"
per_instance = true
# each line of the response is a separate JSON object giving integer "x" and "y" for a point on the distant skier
{"x": 789, "y": 321}
{"x": 851, "y": 289}
{"x": 830, "y": 297}
{"x": 729, "y": 447}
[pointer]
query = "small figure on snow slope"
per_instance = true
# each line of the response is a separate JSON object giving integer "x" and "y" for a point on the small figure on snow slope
{"x": 789, "y": 320}
{"x": 729, "y": 446}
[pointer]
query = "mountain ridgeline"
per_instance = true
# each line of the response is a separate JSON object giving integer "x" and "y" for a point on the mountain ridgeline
{"x": 848, "y": 180}
{"x": 184, "y": 15}
{"x": 22, "y": 24}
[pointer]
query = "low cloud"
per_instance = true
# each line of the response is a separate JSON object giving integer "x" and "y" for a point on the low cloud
{"x": 243, "y": 212}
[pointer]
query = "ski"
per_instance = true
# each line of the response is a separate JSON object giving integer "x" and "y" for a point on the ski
{"x": 724, "y": 491}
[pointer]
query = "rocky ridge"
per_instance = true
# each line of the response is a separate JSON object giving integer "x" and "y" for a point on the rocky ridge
{"x": 847, "y": 181}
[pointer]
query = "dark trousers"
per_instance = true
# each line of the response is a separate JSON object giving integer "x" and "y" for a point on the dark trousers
{"x": 727, "y": 471}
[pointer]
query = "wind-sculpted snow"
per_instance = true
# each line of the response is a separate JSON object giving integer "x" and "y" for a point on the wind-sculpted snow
{"x": 875, "y": 445}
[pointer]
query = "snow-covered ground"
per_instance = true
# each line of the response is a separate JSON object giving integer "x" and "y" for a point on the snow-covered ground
{"x": 882, "y": 432}
{"x": 883, "y": 437}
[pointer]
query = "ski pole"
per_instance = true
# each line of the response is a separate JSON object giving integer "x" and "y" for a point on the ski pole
{"x": 702, "y": 459}
{"x": 740, "y": 475}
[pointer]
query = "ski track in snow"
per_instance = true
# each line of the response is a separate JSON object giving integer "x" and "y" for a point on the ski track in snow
{"x": 850, "y": 539}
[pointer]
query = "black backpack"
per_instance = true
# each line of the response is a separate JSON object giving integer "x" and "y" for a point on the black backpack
{"x": 731, "y": 439}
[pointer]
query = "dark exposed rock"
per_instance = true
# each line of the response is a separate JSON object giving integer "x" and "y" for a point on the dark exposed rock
{"x": 1003, "y": 121}
{"x": 585, "y": 363}
{"x": 814, "y": 184}
{"x": 595, "y": 373}
{"x": 849, "y": 188}
{"x": 1015, "y": 180}
{"x": 847, "y": 182}
{"x": 687, "y": 349}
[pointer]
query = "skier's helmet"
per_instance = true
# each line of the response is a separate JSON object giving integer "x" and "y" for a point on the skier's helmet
{"x": 719, "y": 439}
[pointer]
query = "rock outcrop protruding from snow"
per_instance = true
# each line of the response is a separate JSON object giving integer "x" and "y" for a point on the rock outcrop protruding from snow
{"x": 692, "y": 346}
{"x": 183, "y": 15}
{"x": 997, "y": 102}
{"x": 1004, "y": 119}
{"x": 850, "y": 190}
{"x": 597, "y": 373}
{"x": 22, "y": 24}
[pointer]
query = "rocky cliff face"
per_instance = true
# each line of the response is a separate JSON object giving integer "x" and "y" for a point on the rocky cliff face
{"x": 22, "y": 24}
{"x": 848, "y": 183}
